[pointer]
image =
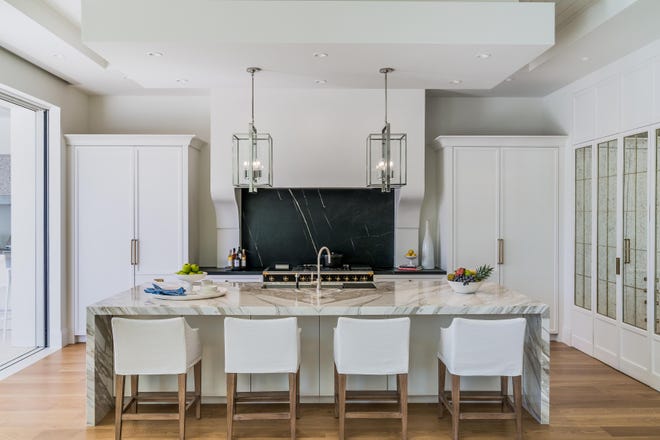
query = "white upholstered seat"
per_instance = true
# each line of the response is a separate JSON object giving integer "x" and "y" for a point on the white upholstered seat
{"x": 155, "y": 346}
{"x": 262, "y": 346}
{"x": 372, "y": 347}
{"x": 472, "y": 347}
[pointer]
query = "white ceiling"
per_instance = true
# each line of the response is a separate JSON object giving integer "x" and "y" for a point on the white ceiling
{"x": 101, "y": 47}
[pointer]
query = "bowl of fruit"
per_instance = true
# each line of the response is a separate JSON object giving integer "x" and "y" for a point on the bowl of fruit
{"x": 468, "y": 281}
{"x": 411, "y": 256}
{"x": 190, "y": 273}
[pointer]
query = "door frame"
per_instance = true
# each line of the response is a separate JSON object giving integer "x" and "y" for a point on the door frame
{"x": 58, "y": 331}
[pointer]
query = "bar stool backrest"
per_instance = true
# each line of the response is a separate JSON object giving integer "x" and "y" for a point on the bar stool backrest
{"x": 261, "y": 345}
{"x": 372, "y": 346}
{"x": 475, "y": 347}
{"x": 149, "y": 346}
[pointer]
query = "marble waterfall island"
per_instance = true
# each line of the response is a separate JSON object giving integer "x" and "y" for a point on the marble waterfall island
{"x": 431, "y": 304}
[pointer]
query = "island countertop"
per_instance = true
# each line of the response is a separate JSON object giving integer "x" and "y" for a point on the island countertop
{"x": 431, "y": 304}
{"x": 405, "y": 297}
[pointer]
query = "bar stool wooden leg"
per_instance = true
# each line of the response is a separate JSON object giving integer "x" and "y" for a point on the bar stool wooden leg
{"x": 293, "y": 382}
{"x": 504, "y": 390}
{"x": 442, "y": 372}
{"x": 342, "y": 404}
{"x": 517, "y": 396}
{"x": 231, "y": 394}
{"x": 455, "y": 403}
{"x": 402, "y": 385}
{"x": 182, "y": 405}
{"x": 336, "y": 393}
{"x": 134, "y": 391}
{"x": 119, "y": 404}
{"x": 198, "y": 389}
{"x": 298, "y": 393}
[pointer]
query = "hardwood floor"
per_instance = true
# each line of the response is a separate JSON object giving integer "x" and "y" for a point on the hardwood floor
{"x": 589, "y": 401}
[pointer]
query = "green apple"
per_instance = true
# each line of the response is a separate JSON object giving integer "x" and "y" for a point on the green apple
{"x": 194, "y": 267}
{"x": 186, "y": 268}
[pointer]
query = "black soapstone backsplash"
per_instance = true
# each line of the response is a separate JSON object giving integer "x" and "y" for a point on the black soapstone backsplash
{"x": 290, "y": 225}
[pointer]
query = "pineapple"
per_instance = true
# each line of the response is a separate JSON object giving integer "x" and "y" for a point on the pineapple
{"x": 483, "y": 272}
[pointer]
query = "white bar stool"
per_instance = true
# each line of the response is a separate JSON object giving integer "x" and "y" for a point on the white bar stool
{"x": 155, "y": 346}
{"x": 262, "y": 346}
{"x": 472, "y": 347}
{"x": 372, "y": 347}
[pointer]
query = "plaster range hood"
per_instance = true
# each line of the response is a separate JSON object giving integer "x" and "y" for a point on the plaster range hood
{"x": 335, "y": 158}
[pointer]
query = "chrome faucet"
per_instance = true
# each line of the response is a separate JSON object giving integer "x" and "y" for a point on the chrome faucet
{"x": 318, "y": 266}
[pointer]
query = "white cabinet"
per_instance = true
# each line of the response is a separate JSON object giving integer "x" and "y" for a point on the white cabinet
{"x": 133, "y": 212}
{"x": 499, "y": 205}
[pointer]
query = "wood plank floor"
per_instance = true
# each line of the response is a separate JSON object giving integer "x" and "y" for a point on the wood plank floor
{"x": 589, "y": 401}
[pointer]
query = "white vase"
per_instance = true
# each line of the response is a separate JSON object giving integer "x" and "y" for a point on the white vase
{"x": 428, "y": 255}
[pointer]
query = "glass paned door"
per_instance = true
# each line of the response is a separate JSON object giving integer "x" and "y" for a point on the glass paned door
{"x": 22, "y": 231}
{"x": 606, "y": 232}
{"x": 583, "y": 227}
{"x": 635, "y": 218}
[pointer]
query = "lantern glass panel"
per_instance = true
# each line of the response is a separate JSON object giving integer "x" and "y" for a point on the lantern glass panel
{"x": 262, "y": 160}
{"x": 377, "y": 164}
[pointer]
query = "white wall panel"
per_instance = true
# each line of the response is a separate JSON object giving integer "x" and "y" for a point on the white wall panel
{"x": 584, "y": 115}
{"x": 655, "y": 350}
{"x": 582, "y": 331}
{"x": 635, "y": 353}
{"x": 656, "y": 90}
{"x": 636, "y": 97}
{"x": 606, "y": 341}
{"x": 608, "y": 106}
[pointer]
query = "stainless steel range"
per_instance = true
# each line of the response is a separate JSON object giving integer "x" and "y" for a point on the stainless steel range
{"x": 304, "y": 276}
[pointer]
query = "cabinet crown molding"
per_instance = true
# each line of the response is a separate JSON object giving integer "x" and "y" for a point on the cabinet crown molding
{"x": 499, "y": 141}
{"x": 95, "y": 140}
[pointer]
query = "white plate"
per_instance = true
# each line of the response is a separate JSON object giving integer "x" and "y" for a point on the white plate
{"x": 167, "y": 286}
{"x": 195, "y": 295}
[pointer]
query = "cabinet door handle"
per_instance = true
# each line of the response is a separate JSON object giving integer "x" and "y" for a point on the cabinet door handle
{"x": 134, "y": 251}
{"x": 137, "y": 251}
{"x": 626, "y": 250}
{"x": 618, "y": 266}
{"x": 500, "y": 251}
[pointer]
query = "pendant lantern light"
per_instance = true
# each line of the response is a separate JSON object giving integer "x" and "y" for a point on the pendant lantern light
{"x": 386, "y": 154}
{"x": 253, "y": 154}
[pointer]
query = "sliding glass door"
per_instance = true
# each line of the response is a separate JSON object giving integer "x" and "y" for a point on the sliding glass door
{"x": 23, "y": 226}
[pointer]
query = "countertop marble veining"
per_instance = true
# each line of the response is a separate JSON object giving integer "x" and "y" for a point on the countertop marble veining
{"x": 405, "y": 297}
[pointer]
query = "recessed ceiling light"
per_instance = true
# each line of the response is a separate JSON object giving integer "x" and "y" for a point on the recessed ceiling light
{"x": 321, "y": 81}
{"x": 584, "y": 59}
{"x": 182, "y": 81}
{"x": 455, "y": 81}
{"x": 483, "y": 55}
{"x": 155, "y": 54}
{"x": 320, "y": 54}
{"x": 508, "y": 79}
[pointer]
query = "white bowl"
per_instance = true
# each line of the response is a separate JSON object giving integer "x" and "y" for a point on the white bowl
{"x": 458, "y": 287}
{"x": 192, "y": 278}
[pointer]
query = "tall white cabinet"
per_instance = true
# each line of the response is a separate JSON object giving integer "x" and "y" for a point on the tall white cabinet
{"x": 499, "y": 205}
{"x": 133, "y": 210}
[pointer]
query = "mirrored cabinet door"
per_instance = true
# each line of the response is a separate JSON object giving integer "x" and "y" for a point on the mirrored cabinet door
{"x": 583, "y": 220}
{"x": 635, "y": 218}
{"x": 606, "y": 232}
